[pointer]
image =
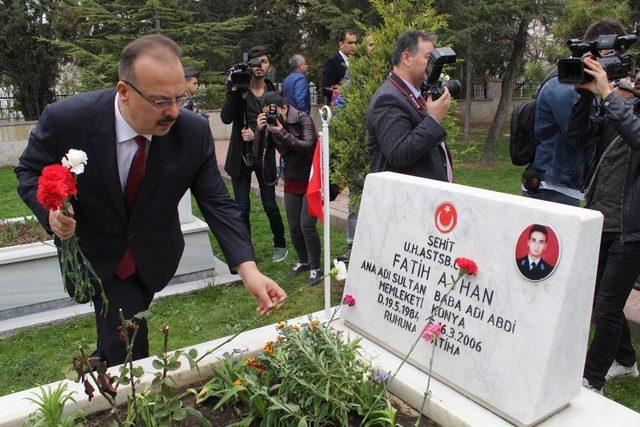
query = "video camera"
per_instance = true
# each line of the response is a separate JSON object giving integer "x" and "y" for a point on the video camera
{"x": 618, "y": 64}
{"x": 432, "y": 85}
{"x": 240, "y": 74}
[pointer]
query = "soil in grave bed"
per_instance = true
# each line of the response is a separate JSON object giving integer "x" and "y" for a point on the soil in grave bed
{"x": 406, "y": 415}
{"x": 20, "y": 233}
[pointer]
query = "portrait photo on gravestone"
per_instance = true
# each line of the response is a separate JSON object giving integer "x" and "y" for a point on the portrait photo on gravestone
{"x": 537, "y": 252}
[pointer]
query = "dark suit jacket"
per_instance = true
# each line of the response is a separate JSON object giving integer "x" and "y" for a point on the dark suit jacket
{"x": 182, "y": 159}
{"x": 332, "y": 74}
{"x": 541, "y": 270}
{"x": 402, "y": 139}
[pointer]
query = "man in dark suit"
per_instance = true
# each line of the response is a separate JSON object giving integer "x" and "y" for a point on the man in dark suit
{"x": 335, "y": 67}
{"x": 532, "y": 266}
{"x": 404, "y": 130}
{"x": 144, "y": 152}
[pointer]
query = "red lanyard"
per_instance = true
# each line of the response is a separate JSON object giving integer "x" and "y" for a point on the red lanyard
{"x": 402, "y": 87}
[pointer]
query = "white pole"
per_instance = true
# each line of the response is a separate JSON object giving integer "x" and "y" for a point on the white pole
{"x": 325, "y": 116}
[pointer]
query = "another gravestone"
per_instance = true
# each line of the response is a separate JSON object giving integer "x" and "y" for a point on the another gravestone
{"x": 515, "y": 335}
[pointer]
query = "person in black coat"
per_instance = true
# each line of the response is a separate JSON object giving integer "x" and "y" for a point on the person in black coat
{"x": 135, "y": 244}
{"x": 241, "y": 108}
{"x": 335, "y": 67}
{"x": 532, "y": 266}
{"x": 404, "y": 130}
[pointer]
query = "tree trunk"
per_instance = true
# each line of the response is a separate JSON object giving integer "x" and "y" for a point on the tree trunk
{"x": 468, "y": 67}
{"x": 508, "y": 80}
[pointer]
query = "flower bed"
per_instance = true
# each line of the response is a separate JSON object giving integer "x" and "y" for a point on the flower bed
{"x": 20, "y": 231}
{"x": 306, "y": 375}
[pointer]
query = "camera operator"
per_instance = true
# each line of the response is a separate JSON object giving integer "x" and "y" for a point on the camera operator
{"x": 614, "y": 190}
{"x": 403, "y": 129}
{"x": 242, "y": 107}
{"x": 293, "y": 134}
{"x": 560, "y": 162}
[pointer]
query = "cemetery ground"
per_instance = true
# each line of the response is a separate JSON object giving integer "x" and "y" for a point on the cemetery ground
{"x": 40, "y": 355}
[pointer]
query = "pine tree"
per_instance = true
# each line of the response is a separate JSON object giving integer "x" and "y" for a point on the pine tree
{"x": 95, "y": 31}
{"x": 27, "y": 62}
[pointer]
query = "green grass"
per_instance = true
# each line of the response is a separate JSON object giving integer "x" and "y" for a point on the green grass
{"x": 40, "y": 355}
{"x": 10, "y": 203}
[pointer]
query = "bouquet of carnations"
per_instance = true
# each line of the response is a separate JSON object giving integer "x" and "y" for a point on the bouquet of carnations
{"x": 56, "y": 185}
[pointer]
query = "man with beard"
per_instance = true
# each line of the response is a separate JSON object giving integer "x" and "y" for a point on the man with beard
{"x": 241, "y": 108}
{"x": 144, "y": 152}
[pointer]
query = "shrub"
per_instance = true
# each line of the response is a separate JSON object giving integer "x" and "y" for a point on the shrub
{"x": 307, "y": 376}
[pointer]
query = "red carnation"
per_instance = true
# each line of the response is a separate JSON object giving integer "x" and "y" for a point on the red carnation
{"x": 467, "y": 266}
{"x": 55, "y": 185}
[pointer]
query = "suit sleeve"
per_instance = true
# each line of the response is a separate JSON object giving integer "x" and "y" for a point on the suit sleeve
{"x": 329, "y": 77}
{"x": 41, "y": 151}
{"x": 219, "y": 211}
{"x": 400, "y": 143}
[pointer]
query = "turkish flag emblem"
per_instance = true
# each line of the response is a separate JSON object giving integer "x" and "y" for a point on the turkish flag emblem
{"x": 446, "y": 217}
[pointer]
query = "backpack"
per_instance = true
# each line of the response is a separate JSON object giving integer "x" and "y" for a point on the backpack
{"x": 522, "y": 143}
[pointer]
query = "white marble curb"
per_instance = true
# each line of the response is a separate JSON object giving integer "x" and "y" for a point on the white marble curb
{"x": 446, "y": 407}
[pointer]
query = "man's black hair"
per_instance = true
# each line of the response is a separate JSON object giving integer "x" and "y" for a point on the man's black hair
{"x": 408, "y": 42}
{"x": 343, "y": 34}
{"x": 603, "y": 27}
{"x": 540, "y": 229}
{"x": 257, "y": 51}
{"x": 273, "y": 97}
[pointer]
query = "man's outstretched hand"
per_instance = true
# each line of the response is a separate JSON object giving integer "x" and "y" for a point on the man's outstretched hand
{"x": 260, "y": 286}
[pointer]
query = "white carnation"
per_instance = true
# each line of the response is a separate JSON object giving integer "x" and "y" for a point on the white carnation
{"x": 75, "y": 160}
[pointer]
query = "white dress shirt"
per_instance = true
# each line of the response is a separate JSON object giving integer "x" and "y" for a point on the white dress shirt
{"x": 126, "y": 147}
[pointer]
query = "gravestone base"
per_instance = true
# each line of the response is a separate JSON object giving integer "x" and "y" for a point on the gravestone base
{"x": 450, "y": 408}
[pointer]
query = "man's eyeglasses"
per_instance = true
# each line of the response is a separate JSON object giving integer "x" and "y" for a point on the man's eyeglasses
{"x": 162, "y": 104}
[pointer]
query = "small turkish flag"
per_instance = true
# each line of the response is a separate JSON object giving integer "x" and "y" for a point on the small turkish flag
{"x": 314, "y": 189}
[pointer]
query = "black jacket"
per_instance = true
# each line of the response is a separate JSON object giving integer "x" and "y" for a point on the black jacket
{"x": 296, "y": 142}
{"x": 541, "y": 270}
{"x": 402, "y": 139}
{"x": 332, "y": 74}
{"x": 232, "y": 112}
{"x": 181, "y": 160}
{"x": 622, "y": 119}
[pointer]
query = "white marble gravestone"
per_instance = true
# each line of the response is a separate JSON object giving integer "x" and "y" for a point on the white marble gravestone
{"x": 515, "y": 345}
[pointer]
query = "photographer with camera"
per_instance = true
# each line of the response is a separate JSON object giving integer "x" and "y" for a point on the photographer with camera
{"x": 293, "y": 134}
{"x": 614, "y": 190}
{"x": 404, "y": 130}
{"x": 246, "y": 85}
{"x": 558, "y": 170}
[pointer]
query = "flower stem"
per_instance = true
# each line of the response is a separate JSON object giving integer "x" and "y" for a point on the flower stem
{"x": 413, "y": 347}
{"x": 251, "y": 323}
{"x": 427, "y": 393}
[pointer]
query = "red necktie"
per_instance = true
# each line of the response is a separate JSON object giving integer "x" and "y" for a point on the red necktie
{"x": 127, "y": 266}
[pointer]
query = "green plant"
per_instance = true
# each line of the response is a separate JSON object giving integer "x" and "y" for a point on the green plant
{"x": 20, "y": 232}
{"x": 50, "y": 410}
{"x": 307, "y": 376}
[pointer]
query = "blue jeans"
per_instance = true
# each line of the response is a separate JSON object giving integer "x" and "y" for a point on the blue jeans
{"x": 242, "y": 187}
{"x": 553, "y": 196}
